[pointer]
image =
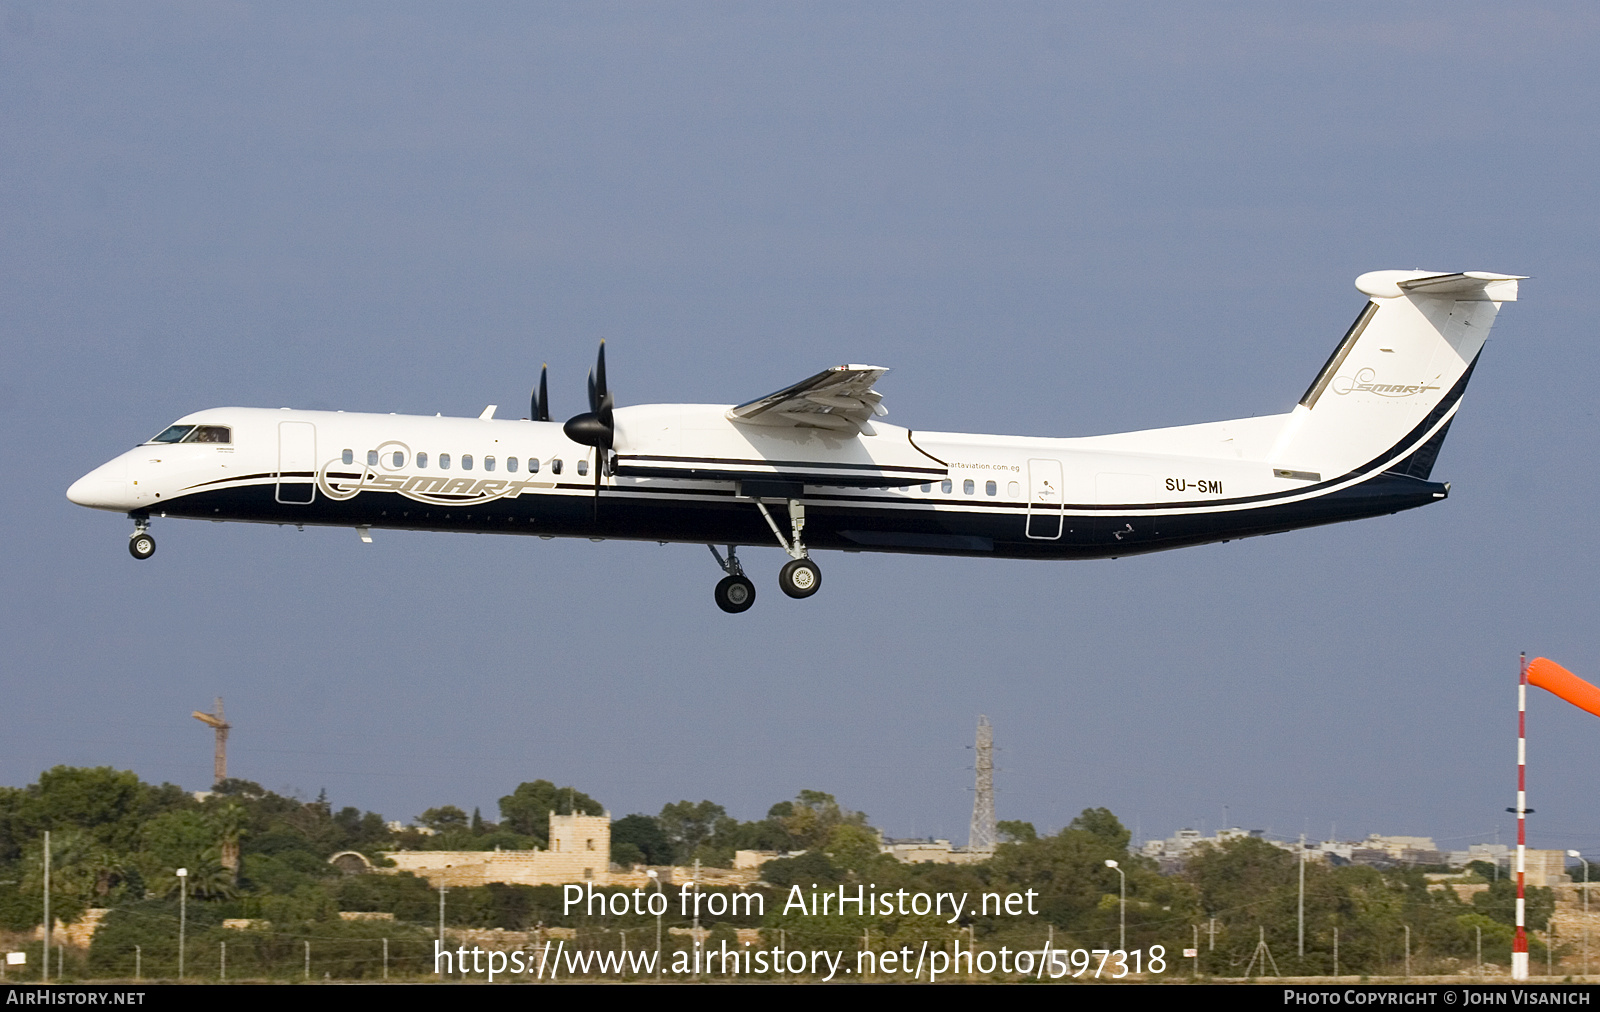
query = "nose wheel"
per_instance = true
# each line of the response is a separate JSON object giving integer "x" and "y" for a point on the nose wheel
{"x": 141, "y": 545}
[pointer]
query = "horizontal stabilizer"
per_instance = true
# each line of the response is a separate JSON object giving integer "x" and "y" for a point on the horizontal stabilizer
{"x": 1467, "y": 286}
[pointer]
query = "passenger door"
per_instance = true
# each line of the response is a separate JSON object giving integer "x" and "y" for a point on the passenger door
{"x": 1045, "y": 501}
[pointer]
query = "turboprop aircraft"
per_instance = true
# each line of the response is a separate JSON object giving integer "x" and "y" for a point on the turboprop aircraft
{"x": 812, "y": 466}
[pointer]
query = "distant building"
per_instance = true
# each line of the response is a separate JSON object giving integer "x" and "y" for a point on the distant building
{"x": 580, "y": 851}
{"x": 1173, "y": 852}
{"x": 931, "y": 851}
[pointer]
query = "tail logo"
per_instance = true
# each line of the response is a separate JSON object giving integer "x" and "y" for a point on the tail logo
{"x": 1364, "y": 382}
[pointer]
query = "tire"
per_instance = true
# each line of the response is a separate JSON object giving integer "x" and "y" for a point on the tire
{"x": 141, "y": 546}
{"x": 800, "y": 578}
{"x": 735, "y": 594}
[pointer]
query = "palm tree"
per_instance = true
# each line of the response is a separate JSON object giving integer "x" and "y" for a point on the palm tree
{"x": 228, "y": 821}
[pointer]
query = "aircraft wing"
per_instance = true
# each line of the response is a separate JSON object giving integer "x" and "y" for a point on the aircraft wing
{"x": 840, "y": 398}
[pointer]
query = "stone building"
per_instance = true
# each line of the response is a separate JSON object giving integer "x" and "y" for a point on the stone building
{"x": 580, "y": 851}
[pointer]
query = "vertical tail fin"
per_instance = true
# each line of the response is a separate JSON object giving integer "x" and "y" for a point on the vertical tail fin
{"x": 1387, "y": 395}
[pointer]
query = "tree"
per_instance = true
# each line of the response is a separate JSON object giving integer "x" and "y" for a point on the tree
{"x": 228, "y": 822}
{"x": 527, "y": 809}
{"x": 812, "y": 817}
{"x": 102, "y": 801}
{"x": 1013, "y": 831}
{"x": 854, "y": 848}
{"x": 443, "y": 819}
{"x": 1499, "y": 901}
{"x": 1100, "y": 822}
{"x": 1239, "y": 874}
{"x": 644, "y": 835}
{"x": 1079, "y": 893}
{"x": 687, "y": 825}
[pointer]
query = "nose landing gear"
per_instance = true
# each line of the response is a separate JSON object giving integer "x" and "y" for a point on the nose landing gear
{"x": 141, "y": 545}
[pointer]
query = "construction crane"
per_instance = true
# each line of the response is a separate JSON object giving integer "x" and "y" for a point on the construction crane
{"x": 221, "y": 727}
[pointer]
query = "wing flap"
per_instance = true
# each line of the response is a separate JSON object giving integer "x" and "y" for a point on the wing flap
{"x": 840, "y": 399}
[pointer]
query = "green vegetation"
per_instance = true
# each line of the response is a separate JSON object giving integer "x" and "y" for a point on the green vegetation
{"x": 262, "y": 860}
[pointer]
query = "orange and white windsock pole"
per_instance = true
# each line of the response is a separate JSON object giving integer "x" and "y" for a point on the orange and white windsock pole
{"x": 1519, "y": 948}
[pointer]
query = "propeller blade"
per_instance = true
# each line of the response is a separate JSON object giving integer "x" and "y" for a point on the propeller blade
{"x": 596, "y": 427}
{"x": 602, "y": 410}
{"x": 541, "y": 399}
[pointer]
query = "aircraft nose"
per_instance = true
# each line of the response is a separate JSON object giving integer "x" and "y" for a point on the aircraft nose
{"x": 78, "y": 491}
{"x": 106, "y": 487}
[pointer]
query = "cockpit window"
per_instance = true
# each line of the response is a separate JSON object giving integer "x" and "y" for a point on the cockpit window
{"x": 173, "y": 434}
{"x": 195, "y": 434}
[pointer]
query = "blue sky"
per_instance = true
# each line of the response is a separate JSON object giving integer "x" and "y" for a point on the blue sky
{"x": 1049, "y": 219}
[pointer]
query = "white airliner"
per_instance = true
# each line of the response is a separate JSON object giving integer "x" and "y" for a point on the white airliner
{"x": 810, "y": 467}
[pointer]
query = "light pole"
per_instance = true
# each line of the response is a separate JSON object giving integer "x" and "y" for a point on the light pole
{"x": 1122, "y": 906}
{"x": 1573, "y": 853}
{"x": 183, "y": 914}
{"x": 442, "y": 890}
{"x": 1302, "y": 914}
{"x": 47, "y": 924}
{"x": 655, "y": 877}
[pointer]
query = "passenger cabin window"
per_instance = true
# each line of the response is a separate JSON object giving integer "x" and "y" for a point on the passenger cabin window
{"x": 555, "y": 466}
{"x": 533, "y": 465}
{"x": 348, "y": 456}
{"x": 173, "y": 434}
{"x": 947, "y": 486}
{"x": 1013, "y": 489}
{"x": 969, "y": 486}
{"x": 927, "y": 486}
{"x": 990, "y": 488}
{"x": 511, "y": 464}
{"x": 583, "y": 467}
{"x": 488, "y": 463}
{"x": 466, "y": 462}
{"x": 372, "y": 458}
{"x": 399, "y": 459}
{"x": 422, "y": 459}
{"x": 444, "y": 462}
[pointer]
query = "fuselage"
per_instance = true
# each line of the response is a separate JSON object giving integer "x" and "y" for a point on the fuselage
{"x": 686, "y": 473}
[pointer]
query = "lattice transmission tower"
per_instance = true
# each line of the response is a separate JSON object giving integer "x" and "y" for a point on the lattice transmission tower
{"x": 982, "y": 834}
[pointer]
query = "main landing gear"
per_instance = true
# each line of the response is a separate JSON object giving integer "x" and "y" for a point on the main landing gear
{"x": 141, "y": 545}
{"x": 735, "y": 592}
{"x": 800, "y": 577}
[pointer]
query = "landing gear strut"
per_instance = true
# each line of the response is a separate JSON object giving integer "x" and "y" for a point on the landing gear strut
{"x": 735, "y": 592}
{"x": 800, "y": 577}
{"x": 141, "y": 545}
